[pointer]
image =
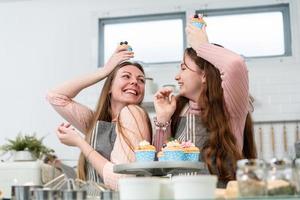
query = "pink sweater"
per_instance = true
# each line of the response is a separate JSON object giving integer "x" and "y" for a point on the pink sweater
{"x": 235, "y": 84}
{"x": 79, "y": 116}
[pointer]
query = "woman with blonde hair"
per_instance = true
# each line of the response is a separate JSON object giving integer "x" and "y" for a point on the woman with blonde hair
{"x": 116, "y": 126}
{"x": 213, "y": 86}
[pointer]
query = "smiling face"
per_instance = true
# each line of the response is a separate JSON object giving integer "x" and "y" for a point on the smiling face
{"x": 128, "y": 86}
{"x": 190, "y": 79}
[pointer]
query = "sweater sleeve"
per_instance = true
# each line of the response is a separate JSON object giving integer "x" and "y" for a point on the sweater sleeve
{"x": 235, "y": 83}
{"x": 133, "y": 122}
{"x": 75, "y": 113}
{"x": 160, "y": 137}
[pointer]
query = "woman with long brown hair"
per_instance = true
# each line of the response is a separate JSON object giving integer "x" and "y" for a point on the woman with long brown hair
{"x": 117, "y": 124}
{"x": 213, "y": 85}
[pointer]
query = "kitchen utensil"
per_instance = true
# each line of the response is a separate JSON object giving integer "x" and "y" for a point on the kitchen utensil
{"x": 273, "y": 140}
{"x": 297, "y": 133}
{"x": 76, "y": 188}
{"x": 260, "y": 141}
{"x": 285, "y": 145}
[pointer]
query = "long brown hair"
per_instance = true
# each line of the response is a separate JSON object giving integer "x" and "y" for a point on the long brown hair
{"x": 103, "y": 112}
{"x": 249, "y": 147}
{"x": 221, "y": 151}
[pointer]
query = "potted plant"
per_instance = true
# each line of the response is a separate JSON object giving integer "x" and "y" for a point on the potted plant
{"x": 26, "y": 147}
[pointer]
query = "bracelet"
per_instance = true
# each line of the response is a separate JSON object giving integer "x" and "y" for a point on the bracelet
{"x": 160, "y": 125}
{"x": 88, "y": 155}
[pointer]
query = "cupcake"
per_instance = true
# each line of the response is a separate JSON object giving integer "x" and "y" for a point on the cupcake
{"x": 198, "y": 21}
{"x": 144, "y": 152}
{"x": 191, "y": 152}
{"x": 125, "y": 44}
{"x": 173, "y": 151}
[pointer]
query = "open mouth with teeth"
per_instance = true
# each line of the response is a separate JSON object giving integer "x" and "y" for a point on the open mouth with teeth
{"x": 131, "y": 91}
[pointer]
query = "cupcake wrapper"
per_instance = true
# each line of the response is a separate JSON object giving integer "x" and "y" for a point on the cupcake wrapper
{"x": 197, "y": 24}
{"x": 162, "y": 158}
{"x": 142, "y": 156}
{"x": 173, "y": 155}
{"x": 191, "y": 156}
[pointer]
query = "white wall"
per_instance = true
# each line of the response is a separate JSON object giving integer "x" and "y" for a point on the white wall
{"x": 44, "y": 42}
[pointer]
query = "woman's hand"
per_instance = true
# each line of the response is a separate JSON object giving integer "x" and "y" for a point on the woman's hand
{"x": 121, "y": 54}
{"x": 164, "y": 104}
{"x": 196, "y": 36}
{"x": 68, "y": 135}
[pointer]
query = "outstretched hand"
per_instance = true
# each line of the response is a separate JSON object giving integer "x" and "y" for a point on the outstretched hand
{"x": 196, "y": 36}
{"x": 164, "y": 104}
{"x": 121, "y": 54}
{"x": 68, "y": 135}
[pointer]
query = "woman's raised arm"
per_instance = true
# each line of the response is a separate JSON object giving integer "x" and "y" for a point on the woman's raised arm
{"x": 61, "y": 97}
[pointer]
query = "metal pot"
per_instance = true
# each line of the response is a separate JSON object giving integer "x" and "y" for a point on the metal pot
{"x": 73, "y": 195}
{"x": 22, "y": 192}
{"x": 45, "y": 194}
{"x": 109, "y": 195}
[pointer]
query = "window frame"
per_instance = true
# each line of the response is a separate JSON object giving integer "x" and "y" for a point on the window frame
{"x": 138, "y": 18}
{"x": 284, "y": 8}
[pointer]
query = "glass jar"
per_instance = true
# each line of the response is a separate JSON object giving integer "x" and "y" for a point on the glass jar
{"x": 251, "y": 177}
{"x": 280, "y": 177}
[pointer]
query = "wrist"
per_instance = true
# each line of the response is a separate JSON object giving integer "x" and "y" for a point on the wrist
{"x": 82, "y": 144}
{"x": 105, "y": 70}
{"x": 162, "y": 119}
{"x": 161, "y": 125}
{"x": 89, "y": 154}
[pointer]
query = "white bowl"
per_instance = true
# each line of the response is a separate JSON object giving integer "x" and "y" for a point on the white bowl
{"x": 139, "y": 188}
{"x": 194, "y": 187}
{"x": 166, "y": 188}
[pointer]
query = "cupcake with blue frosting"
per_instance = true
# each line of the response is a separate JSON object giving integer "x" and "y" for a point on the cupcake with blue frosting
{"x": 173, "y": 151}
{"x": 145, "y": 152}
{"x": 191, "y": 152}
{"x": 198, "y": 21}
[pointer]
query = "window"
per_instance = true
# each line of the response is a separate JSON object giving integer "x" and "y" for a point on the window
{"x": 253, "y": 32}
{"x": 154, "y": 38}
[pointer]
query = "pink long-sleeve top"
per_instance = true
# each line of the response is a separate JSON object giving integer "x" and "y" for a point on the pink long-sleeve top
{"x": 79, "y": 116}
{"x": 235, "y": 84}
